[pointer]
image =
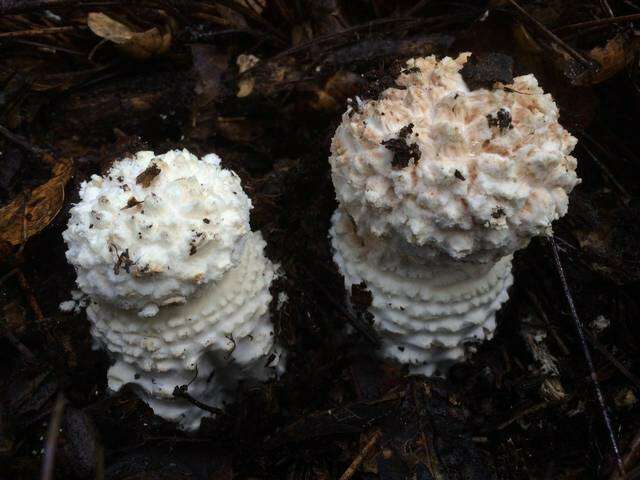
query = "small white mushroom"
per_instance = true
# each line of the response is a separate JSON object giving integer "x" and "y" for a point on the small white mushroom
{"x": 437, "y": 187}
{"x": 179, "y": 285}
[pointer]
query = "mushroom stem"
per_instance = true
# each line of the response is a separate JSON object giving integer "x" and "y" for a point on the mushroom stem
{"x": 221, "y": 335}
{"x": 423, "y": 309}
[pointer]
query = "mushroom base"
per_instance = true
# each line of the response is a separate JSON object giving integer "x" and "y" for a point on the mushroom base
{"x": 219, "y": 338}
{"x": 424, "y": 308}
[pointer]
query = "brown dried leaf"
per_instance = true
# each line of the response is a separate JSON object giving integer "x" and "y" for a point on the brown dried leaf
{"x": 340, "y": 86}
{"x": 613, "y": 57}
{"x": 268, "y": 78}
{"x": 27, "y": 215}
{"x": 132, "y": 202}
{"x": 139, "y": 45}
{"x": 246, "y": 82}
{"x": 109, "y": 29}
{"x": 146, "y": 177}
{"x": 238, "y": 129}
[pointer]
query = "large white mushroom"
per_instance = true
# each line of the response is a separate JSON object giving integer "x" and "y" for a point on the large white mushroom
{"x": 437, "y": 187}
{"x": 179, "y": 285}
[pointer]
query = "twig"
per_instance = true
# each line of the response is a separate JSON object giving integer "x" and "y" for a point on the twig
{"x": 40, "y": 31}
{"x": 20, "y": 6}
{"x": 181, "y": 392}
{"x": 523, "y": 413}
{"x": 614, "y": 361}
{"x": 574, "y": 53}
{"x": 629, "y": 459}
{"x": 18, "y": 140}
{"x": 607, "y": 7}
{"x": 351, "y": 470}
{"x": 416, "y": 8}
{"x": 241, "y": 9}
{"x": 15, "y": 6}
{"x": 432, "y": 461}
{"x": 332, "y": 36}
{"x": 587, "y": 355}
{"x": 607, "y": 173}
{"x": 52, "y": 439}
{"x": 8, "y": 275}
{"x": 629, "y": 3}
{"x": 545, "y": 319}
{"x": 44, "y": 47}
{"x": 33, "y": 302}
{"x": 17, "y": 344}
{"x": 600, "y": 22}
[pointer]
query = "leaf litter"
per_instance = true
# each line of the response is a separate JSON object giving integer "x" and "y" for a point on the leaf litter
{"x": 85, "y": 84}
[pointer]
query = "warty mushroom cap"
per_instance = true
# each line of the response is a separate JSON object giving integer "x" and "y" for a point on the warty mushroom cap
{"x": 479, "y": 174}
{"x": 156, "y": 228}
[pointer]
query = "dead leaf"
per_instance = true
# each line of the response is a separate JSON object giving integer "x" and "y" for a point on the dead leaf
{"x": 612, "y": 58}
{"x": 269, "y": 78}
{"x": 28, "y": 214}
{"x": 340, "y": 86}
{"x": 146, "y": 177}
{"x": 238, "y": 129}
{"x": 109, "y": 29}
{"x": 141, "y": 45}
{"x": 246, "y": 82}
{"x": 132, "y": 202}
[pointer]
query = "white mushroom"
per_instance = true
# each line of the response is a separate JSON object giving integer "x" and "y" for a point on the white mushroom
{"x": 179, "y": 285}
{"x": 437, "y": 187}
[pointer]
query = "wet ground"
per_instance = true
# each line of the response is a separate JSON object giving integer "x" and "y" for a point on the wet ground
{"x": 522, "y": 406}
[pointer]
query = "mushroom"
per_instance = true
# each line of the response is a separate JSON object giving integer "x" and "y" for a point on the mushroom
{"x": 178, "y": 282}
{"x": 437, "y": 187}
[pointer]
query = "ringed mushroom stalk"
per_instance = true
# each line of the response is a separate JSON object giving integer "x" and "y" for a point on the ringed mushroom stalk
{"x": 438, "y": 185}
{"x": 177, "y": 281}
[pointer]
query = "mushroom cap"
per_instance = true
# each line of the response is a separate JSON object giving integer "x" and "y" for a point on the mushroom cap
{"x": 156, "y": 228}
{"x": 443, "y": 171}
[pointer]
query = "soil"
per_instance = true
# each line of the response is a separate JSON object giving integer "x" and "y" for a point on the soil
{"x": 522, "y": 405}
